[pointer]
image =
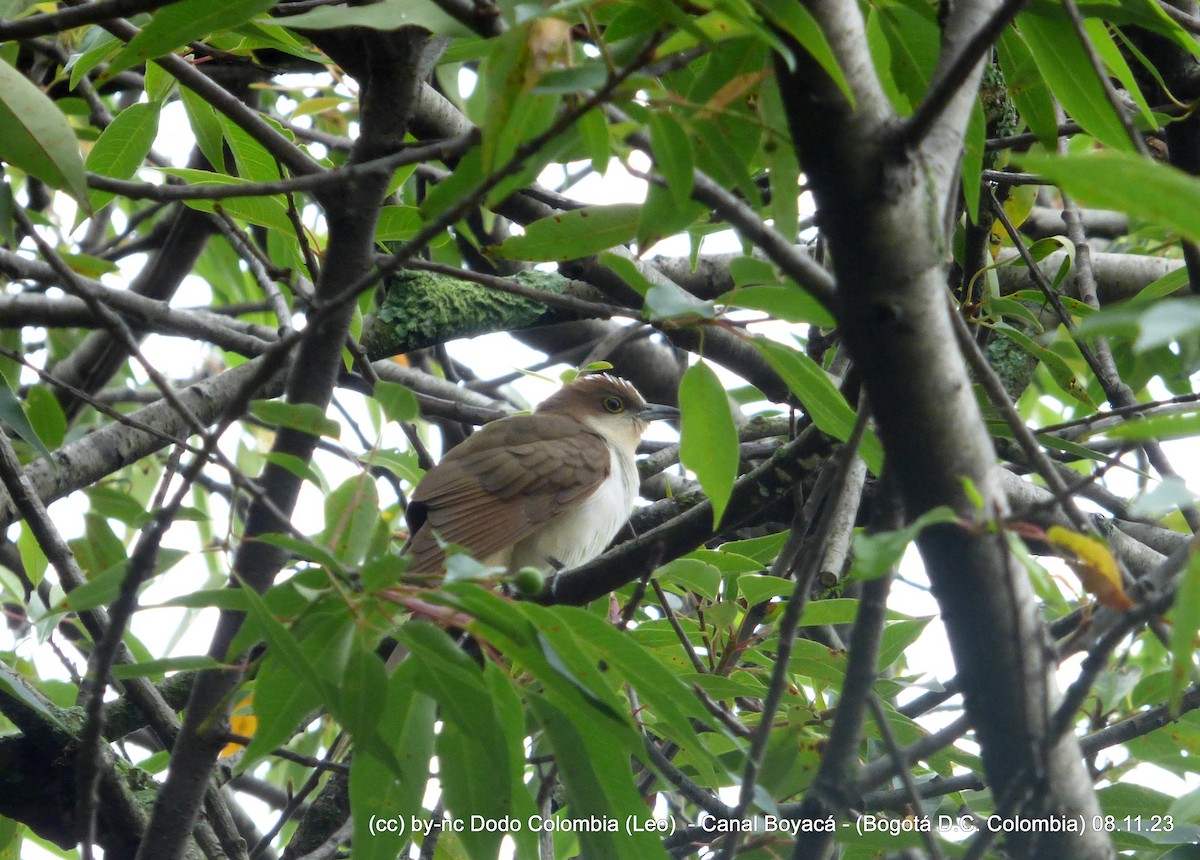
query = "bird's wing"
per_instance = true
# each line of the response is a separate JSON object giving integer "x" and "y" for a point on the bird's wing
{"x": 502, "y": 484}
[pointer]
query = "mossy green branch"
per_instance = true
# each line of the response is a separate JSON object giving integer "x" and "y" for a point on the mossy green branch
{"x": 421, "y": 309}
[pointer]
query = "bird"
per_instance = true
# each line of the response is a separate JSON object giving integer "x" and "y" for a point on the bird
{"x": 547, "y": 490}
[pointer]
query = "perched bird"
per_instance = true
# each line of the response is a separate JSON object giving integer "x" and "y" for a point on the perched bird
{"x": 548, "y": 490}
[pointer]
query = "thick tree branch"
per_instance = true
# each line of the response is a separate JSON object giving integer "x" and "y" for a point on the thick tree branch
{"x": 883, "y": 215}
{"x": 397, "y": 63}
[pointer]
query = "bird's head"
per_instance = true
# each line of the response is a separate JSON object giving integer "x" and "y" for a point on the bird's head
{"x": 608, "y": 405}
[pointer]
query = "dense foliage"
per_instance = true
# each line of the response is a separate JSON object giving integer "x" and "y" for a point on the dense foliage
{"x": 243, "y": 242}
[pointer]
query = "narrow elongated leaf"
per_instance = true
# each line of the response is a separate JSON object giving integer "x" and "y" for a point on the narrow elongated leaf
{"x": 122, "y": 146}
{"x": 410, "y": 717}
{"x": 1113, "y": 60}
{"x": 1185, "y": 623}
{"x": 124, "y": 671}
{"x": 573, "y": 234}
{"x": 293, "y": 685}
{"x": 595, "y": 771}
{"x": 1093, "y": 563}
{"x": 351, "y": 515}
{"x": 104, "y": 587}
{"x": 37, "y": 137}
{"x": 180, "y": 23}
{"x": 673, "y": 156}
{"x": 660, "y": 691}
{"x": 708, "y": 443}
{"x": 791, "y": 17}
{"x": 296, "y": 416}
{"x": 1064, "y": 64}
{"x": 822, "y": 401}
{"x": 388, "y": 15}
{"x": 13, "y": 414}
{"x": 1055, "y": 364}
{"x": 972, "y": 159}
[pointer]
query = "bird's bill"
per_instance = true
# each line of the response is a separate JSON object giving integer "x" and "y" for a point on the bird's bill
{"x": 658, "y": 411}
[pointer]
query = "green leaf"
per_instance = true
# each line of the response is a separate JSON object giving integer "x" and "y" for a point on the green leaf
{"x": 1111, "y": 56}
{"x": 206, "y": 128}
{"x": 838, "y": 610}
{"x": 305, "y": 417}
{"x": 593, "y": 133}
{"x": 1065, "y": 66}
{"x": 33, "y": 558}
{"x": 595, "y": 772}
{"x": 321, "y": 672}
{"x": 791, "y": 17}
{"x": 512, "y": 112}
{"x": 876, "y": 554}
{"x": 358, "y": 688}
{"x": 16, "y": 688}
{"x": 302, "y": 470}
{"x": 37, "y": 137}
{"x": 266, "y": 212}
{"x": 787, "y": 303}
{"x": 665, "y": 699}
{"x": 103, "y": 588}
{"x": 397, "y": 223}
{"x": 673, "y": 155}
{"x": 1147, "y": 189}
{"x": 1157, "y": 427}
{"x": 822, "y": 401}
{"x": 691, "y": 574}
{"x": 783, "y": 169}
{"x": 908, "y": 37}
{"x": 96, "y": 46}
{"x": 708, "y": 440}
{"x": 478, "y": 768}
{"x": 1185, "y": 624}
{"x": 759, "y": 588}
{"x": 122, "y": 147}
{"x": 388, "y": 15}
{"x": 180, "y": 23}
{"x": 897, "y": 636}
{"x": 661, "y": 217}
{"x": 398, "y": 401}
{"x": 761, "y": 549}
{"x": 110, "y": 502}
{"x": 1057, "y": 366}
{"x": 298, "y": 674}
{"x": 302, "y": 548}
{"x": 157, "y": 668}
{"x": 627, "y": 270}
{"x": 573, "y": 234}
{"x": 1166, "y": 322}
{"x": 253, "y": 160}
{"x": 13, "y": 414}
{"x": 669, "y": 301}
{"x": 410, "y": 718}
{"x": 351, "y": 515}
{"x": 974, "y": 142}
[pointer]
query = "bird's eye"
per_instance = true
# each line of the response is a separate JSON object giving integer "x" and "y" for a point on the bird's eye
{"x": 614, "y": 404}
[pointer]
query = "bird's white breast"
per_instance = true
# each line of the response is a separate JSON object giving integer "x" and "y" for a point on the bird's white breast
{"x": 581, "y": 533}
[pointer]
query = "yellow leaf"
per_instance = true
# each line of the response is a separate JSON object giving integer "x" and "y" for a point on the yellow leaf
{"x": 242, "y": 722}
{"x": 1093, "y": 564}
{"x": 1017, "y": 206}
{"x": 549, "y": 45}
